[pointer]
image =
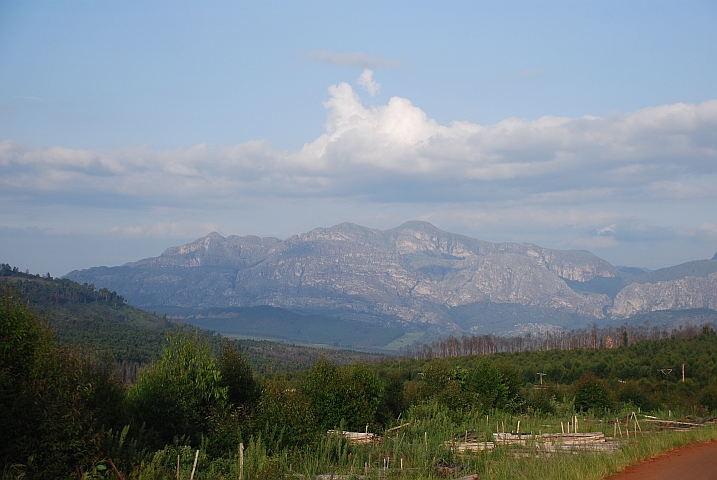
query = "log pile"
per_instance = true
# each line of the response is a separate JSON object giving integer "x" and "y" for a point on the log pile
{"x": 359, "y": 438}
{"x": 560, "y": 442}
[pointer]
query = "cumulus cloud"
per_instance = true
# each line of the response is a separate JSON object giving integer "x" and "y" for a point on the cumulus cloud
{"x": 396, "y": 152}
{"x": 366, "y": 81}
{"x": 357, "y": 59}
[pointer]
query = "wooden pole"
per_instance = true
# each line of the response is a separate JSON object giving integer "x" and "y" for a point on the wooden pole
{"x": 117, "y": 472}
{"x": 241, "y": 461}
{"x": 177, "y": 467}
{"x": 194, "y": 467}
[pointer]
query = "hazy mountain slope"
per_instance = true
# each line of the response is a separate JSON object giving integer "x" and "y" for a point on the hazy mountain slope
{"x": 682, "y": 294}
{"x": 413, "y": 274}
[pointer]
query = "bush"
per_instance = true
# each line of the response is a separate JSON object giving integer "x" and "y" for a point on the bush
{"x": 237, "y": 377}
{"x": 179, "y": 394}
{"x": 53, "y": 400}
{"x": 343, "y": 395}
{"x": 284, "y": 416}
{"x": 709, "y": 398}
{"x": 592, "y": 393}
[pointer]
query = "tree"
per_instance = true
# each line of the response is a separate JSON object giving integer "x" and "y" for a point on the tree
{"x": 237, "y": 376}
{"x": 351, "y": 395}
{"x": 178, "y": 394}
{"x": 592, "y": 393}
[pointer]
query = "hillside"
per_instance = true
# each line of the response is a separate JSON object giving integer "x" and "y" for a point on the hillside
{"x": 101, "y": 321}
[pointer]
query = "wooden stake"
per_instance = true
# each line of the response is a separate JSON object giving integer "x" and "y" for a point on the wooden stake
{"x": 177, "y": 467}
{"x": 241, "y": 461}
{"x": 518, "y": 430}
{"x": 117, "y": 472}
{"x": 194, "y": 467}
{"x": 562, "y": 428}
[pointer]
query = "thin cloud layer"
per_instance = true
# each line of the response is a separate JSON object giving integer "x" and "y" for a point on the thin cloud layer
{"x": 356, "y": 59}
{"x": 396, "y": 152}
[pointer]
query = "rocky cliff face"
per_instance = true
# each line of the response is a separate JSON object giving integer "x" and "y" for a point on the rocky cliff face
{"x": 680, "y": 294}
{"x": 414, "y": 273}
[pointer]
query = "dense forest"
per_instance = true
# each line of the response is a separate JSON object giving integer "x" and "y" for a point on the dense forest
{"x": 66, "y": 410}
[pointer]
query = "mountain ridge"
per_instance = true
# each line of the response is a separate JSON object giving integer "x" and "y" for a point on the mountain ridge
{"x": 412, "y": 275}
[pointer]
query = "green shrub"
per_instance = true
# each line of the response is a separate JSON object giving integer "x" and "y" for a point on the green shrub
{"x": 179, "y": 394}
{"x": 54, "y": 401}
{"x": 237, "y": 377}
{"x": 342, "y": 395}
{"x": 593, "y": 393}
{"x": 284, "y": 416}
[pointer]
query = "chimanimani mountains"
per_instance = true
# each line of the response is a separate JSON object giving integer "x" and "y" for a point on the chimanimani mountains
{"x": 416, "y": 276}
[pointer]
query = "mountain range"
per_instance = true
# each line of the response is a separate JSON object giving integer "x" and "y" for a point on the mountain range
{"x": 415, "y": 276}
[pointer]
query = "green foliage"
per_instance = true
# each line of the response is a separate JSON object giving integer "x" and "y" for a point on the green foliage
{"x": 709, "y": 398}
{"x": 592, "y": 393}
{"x": 489, "y": 385}
{"x": 342, "y": 395}
{"x": 237, "y": 376}
{"x": 178, "y": 394}
{"x": 55, "y": 403}
{"x": 284, "y": 416}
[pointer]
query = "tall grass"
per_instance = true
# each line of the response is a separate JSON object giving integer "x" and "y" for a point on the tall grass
{"x": 421, "y": 446}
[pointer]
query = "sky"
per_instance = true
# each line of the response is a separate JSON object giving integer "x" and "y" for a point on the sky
{"x": 128, "y": 127}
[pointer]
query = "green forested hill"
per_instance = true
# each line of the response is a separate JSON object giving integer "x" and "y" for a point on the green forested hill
{"x": 101, "y": 321}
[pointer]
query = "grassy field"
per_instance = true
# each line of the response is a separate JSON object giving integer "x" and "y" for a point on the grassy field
{"x": 422, "y": 450}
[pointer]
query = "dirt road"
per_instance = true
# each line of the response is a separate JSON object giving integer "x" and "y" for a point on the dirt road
{"x": 694, "y": 462}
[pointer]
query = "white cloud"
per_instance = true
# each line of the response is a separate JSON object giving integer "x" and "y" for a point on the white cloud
{"x": 357, "y": 59}
{"x": 396, "y": 152}
{"x": 366, "y": 81}
{"x": 609, "y": 229}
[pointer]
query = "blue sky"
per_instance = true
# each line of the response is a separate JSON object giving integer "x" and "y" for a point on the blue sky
{"x": 128, "y": 127}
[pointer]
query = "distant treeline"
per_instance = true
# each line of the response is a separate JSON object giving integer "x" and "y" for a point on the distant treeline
{"x": 558, "y": 339}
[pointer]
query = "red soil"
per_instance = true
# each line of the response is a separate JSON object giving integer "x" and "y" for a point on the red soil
{"x": 697, "y": 461}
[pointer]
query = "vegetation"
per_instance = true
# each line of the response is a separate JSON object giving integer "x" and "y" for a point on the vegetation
{"x": 102, "y": 322}
{"x": 65, "y": 409}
